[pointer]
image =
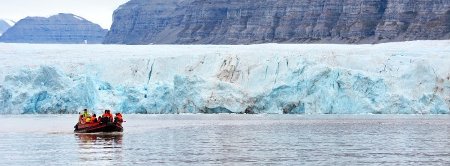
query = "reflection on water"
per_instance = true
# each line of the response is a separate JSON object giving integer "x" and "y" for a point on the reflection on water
{"x": 100, "y": 148}
{"x": 231, "y": 140}
{"x": 103, "y": 138}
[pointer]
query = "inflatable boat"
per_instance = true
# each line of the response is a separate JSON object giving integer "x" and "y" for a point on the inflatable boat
{"x": 98, "y": 127}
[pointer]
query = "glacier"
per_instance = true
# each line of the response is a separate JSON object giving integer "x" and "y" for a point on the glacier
{"x": 390, "y": 78}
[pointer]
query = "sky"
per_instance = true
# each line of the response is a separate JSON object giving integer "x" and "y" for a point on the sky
{"x": 97, "y": 11}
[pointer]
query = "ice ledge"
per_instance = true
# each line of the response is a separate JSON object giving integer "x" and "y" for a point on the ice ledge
{"x": 291, "y": 79}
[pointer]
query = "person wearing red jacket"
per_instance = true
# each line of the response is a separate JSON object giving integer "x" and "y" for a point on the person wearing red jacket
{"x": 118, "y": 118}
{"x": 108, "y": 116}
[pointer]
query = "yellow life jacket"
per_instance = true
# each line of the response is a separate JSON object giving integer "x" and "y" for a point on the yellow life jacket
{"x": 86, "y": 114}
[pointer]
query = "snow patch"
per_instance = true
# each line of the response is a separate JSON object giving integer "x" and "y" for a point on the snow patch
{"x": 10, "y": 22}
{"x": 78, "y": 17}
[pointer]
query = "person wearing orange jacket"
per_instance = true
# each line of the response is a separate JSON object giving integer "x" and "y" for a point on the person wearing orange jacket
{"x": 107, "y": 115}
{"x": 118, "y": 118}
{"x": 94, "y": 118}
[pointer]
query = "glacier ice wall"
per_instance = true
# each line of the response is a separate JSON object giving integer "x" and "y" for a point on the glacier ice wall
{"x": 392, "y": 78}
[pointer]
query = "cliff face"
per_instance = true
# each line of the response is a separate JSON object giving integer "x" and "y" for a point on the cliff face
{"x": 260, "y": 21}
{"x": 61, "y": 28}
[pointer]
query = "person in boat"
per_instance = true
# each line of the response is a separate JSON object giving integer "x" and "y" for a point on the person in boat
{"x": 94, "y": 118}
{"x": 107, "y": 116}
{"x": 86, "y": 116}
{"x": 99, "y": 119}
{"x": 86, "y": 113}
{"x": 118, "y": 118}
{"x": 80, "y": 118}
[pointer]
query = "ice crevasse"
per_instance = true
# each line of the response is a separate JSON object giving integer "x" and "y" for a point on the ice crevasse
{"x": 392, "y": 78}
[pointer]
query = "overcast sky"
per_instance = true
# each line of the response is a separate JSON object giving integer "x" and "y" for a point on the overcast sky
{"x": 97, "y": 11}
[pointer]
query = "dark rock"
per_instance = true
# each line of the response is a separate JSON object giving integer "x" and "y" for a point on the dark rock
{"x": 280, "y": 21}
{"x": 249, "y": 110}
{"x": 61, "y": 28}
{"x": 215, "y": 110}
{"x": 294, "y": 108}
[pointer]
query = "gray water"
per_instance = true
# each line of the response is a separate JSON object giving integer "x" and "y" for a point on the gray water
{"x": 230, "y": 140}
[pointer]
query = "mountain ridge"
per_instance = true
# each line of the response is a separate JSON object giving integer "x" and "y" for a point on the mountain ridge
{"x": 283, "y": 21}
{"x": 61, "y": 28}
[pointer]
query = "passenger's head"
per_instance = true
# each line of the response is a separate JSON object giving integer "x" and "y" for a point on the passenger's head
{"x": 85, "y": 110}
{"x": 94, "y": 115}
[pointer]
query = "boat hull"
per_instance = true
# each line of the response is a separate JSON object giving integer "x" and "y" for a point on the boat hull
{"x": 98, "y": 127}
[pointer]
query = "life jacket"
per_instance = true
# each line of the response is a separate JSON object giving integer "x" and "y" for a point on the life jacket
{"x": 94, "y": 119}
{"x": 86, "y": 115}
{"x": 108, "y": 115}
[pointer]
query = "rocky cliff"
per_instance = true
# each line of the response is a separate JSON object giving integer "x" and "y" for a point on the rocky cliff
{"x": 61, "y": 28}
{"x": 282, "y": 21}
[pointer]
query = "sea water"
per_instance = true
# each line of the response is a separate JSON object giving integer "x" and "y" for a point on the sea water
{"x": 229, "y": 139}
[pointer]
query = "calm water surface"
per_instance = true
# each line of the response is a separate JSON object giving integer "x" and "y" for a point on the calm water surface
{"x": 230, "y": 140}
